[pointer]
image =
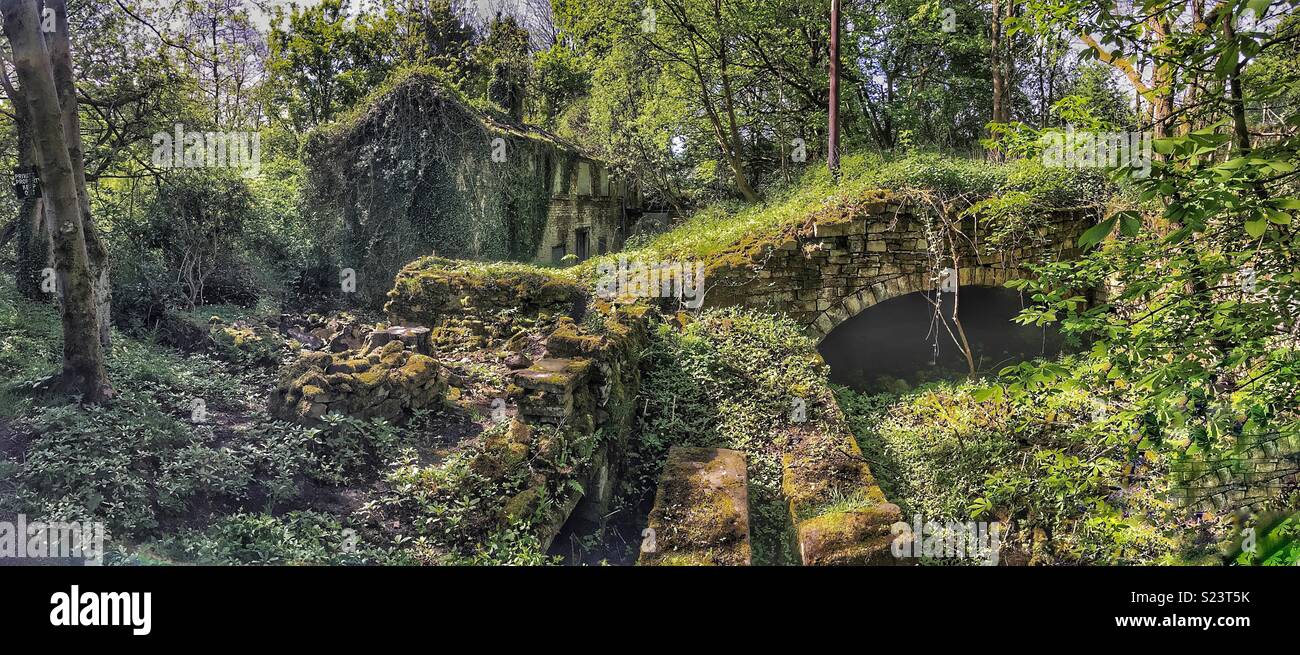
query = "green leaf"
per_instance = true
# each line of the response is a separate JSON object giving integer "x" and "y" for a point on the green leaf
{"x": 1280, "y": 218}
{"x": 1256, "y": 228}
{"x": 1129, "y": 224}
{"x": 1227, "y": 63}
{"x": 1097, "y": 233}
{"x": 1163, "y": 146}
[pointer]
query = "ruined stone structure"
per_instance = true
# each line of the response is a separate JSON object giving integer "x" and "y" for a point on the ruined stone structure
{"x": 572, "y": 373}
{"x": 839, "y": 512}
{"x": 586, "y": 388}
{"x": 419, "y": 170}
{"x": 389, "y": 382}
{"x": 825, "y": 271}
{"x": 590, "y": 212}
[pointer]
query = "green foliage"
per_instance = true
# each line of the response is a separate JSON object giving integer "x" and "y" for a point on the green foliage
{"x": 324, "y": 61}
{"x": 29, "y": 336}
{"x": 1196, "y": 356}
{"x": 352, "y": 450}
{"x": 1181, "y": 340}
{"x": 185, "y": 247}
{"x": 450, "y": 512}
{"x": 664, "y": 92}
{"x": 143, "y": 464}
{"x": 1276, "y": 543}
{"x": 727, "y": 381}
{"x": 292, "y": 539}
{"x": 1042, "y": 463}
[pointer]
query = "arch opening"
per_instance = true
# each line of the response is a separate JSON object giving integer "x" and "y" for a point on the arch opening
{"x": 900, "y": 343}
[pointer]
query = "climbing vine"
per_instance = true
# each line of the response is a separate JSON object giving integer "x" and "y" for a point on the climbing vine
{"x": 418, "y": 170}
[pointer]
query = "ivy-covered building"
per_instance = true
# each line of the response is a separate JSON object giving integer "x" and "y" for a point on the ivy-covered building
{"x": 418, "y": 170}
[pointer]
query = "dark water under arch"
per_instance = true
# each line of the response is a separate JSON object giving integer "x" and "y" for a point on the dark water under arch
{"x": 894, "y": 342}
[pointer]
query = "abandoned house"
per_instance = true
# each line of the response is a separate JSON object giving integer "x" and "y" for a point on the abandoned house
{"x": 419, "y": 170}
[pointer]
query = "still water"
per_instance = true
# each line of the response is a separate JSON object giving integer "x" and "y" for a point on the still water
{"x": 900, "y": 343}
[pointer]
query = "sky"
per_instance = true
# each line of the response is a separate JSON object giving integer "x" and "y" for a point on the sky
{"x": 483, "y": 8}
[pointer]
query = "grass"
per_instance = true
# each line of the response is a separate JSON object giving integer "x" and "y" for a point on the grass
{"x": 715, "y": 228}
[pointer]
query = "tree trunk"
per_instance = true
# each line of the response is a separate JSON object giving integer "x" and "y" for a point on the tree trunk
{"x": 995, "y": 65}
{"x": 31, "y": 236}
{"x": 833, "y": 143}
{"x": 83, "y": 355}
{"x": 1240, "y": 128}
{"x": 1162, "y": 78}
{"x": 60, "y": 50}
{"x": 737, "y": 156}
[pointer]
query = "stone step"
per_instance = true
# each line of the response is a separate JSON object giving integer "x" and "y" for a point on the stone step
{"x": 821, "y": 471}
{"x": 701, "y": 511}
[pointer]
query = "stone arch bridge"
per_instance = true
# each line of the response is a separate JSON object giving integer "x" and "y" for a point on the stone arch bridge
{"x": 827, "y": 270}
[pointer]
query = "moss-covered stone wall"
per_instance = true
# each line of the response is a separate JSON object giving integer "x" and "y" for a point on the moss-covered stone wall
{"x": 830, "y": 268}
{"x": 585, "y": 394}
{"x": 419, "y": 171}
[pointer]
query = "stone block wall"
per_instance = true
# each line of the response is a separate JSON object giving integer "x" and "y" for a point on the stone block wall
{"x": 419, "y": 170}
{"x": 388, "y": 382}
{"x": 587, "y": 201}
{"x": 830, "y": 269}
{"x": 839, "y": 512}
{"x": 431, "y": 292}
{"x": 581, "y": 396}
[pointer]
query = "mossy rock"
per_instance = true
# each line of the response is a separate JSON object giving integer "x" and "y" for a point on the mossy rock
{"x": 822, "y": 467}
{"x": 853, "y": 538}
{"x": 183, "y": 332}
{"x": 244, "y": 343}
{"x": 392, "y": 388}
{"x": 431, "y": 291}
{"x": 568, "y": 341}
{"x": 523, "y": 504}
{"x": 701, "y": 510}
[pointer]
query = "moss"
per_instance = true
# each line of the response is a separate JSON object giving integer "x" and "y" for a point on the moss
{"x": 418, "y": 366}
{"x": 702, "y": 507}
{"x": 852, "y": 538}
{"x": 568, "y": 341}
{"x": 685, "y": 559}
{"x": 523, "y": 504}
{"x": 503, "y": 451}
{"x": 372, "y": 377}
{"x": 431, "y": 291}
{"x": 825, "y": 468}
{"x": 247, "y": 344}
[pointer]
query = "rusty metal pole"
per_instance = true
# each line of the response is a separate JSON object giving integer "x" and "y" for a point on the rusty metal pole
{"x": 833, "y": 148}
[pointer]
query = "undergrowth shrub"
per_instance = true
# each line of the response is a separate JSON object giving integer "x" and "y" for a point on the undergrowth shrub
{"x": 1074, "y": 490}
{"x": 295, "y": 538}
